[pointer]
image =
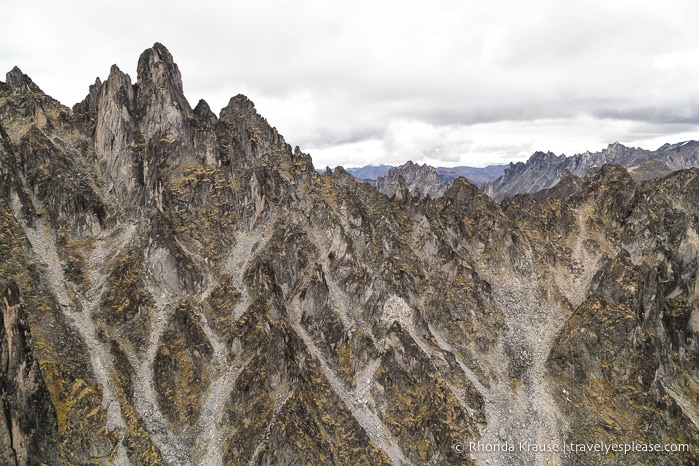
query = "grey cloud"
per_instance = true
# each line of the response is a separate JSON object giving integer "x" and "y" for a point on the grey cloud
{"x": 332, "y": 75}
{"x": 663, "y": 116}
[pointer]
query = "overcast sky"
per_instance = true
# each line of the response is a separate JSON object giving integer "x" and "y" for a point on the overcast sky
{"x": 446, "y": 82}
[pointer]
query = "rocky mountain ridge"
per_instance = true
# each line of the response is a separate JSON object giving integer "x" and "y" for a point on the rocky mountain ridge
{"x": 543, "y": 170}
{"x": 184, "y": 288}
{"x": 423, "y": 180}
{"x": 476, "y": 175}
{"x": 430, "y": 181}
{"x": 369, "y": 173}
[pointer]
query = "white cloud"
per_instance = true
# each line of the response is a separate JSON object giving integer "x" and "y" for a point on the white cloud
{"x": 417, "y": 141}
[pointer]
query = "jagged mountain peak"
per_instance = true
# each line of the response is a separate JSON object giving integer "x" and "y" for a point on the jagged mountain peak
{"x": 424, "y": 178}
{"x": 684, "y": 144}
{"x": 117, "y": 81}
{"x": 538, "y": 155}
{"x": 465, "y": 193}
{"x": 202, "y": 109}
{"x": 14, "y": 75}
{"x": 20, "y": 83}
{"x": 616, "y": 148}
{"x": 685, "y": 151}
{"x": 15, "y": 78}
{"x": 239, "y": 106}
{"x": 543, "y": 170}
{"x": 160, "y": 95}
{"x": 114, "y": 70}
{"x": 157, "y": 64}
{"x": 23, "y": 95}
{"x": 162, "y": 53}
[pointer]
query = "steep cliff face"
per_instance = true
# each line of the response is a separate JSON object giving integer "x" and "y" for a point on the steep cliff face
{"x": 183, "y": 288}
{"x": 28, "y": 425}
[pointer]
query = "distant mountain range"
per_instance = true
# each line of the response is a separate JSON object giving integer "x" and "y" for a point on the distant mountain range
{"x": 369, "y": 173}
{"x": 422, "y": 178}
{"x": 476, "y": 175}
{"x": 542, "y": 171}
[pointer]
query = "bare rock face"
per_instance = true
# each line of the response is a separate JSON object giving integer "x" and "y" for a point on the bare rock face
{"x": 161, "y": 104}
{"x": 116, "y": 135}
{"x": 181, "y": 288}
{"x": 205, "y": 144}
{"x": 28, "y": 424}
